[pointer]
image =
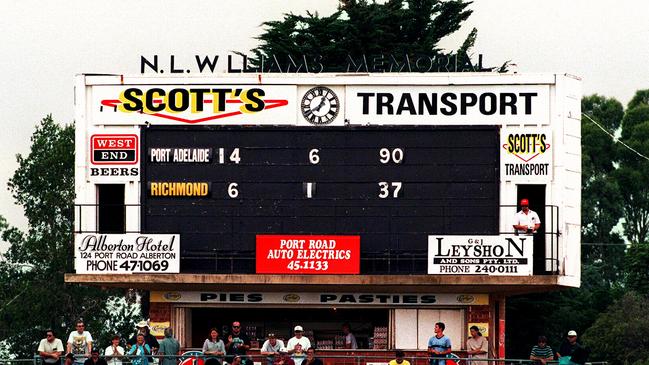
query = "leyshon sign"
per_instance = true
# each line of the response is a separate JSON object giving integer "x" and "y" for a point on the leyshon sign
{"x": 126, "y": 253}
{"x": 526, "y": 154}
{"x": 480, "y": 255}
{"x": 336, "y": 298}
{"x": 286, "y": 254}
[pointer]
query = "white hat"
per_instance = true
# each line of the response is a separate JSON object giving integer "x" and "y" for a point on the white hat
{"x": 298, "y": 328}
{"x": 141, "y": 324}
{"x": 283, "y": 350}
{"x": 572, "y": 333}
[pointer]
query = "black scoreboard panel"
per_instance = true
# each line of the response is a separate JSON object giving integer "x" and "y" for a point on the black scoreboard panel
{"x": 392, "y": 186}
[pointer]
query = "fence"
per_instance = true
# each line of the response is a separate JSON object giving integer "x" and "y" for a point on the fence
{"x": 197, "y": 358}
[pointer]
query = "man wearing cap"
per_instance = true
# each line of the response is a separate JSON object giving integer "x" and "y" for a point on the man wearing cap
{"x": 569, "y": 345}
{"x": 271, "y": 348}
{"x": 238, "y": 343}
{"x": 298, "y": 339}
{"x": 143, "y": 329}
{"x": 94, "y": 358}
{"x": 526, "y": 220}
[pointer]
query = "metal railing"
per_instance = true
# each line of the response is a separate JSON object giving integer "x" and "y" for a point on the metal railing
{"x": 198, "y": 358}
{"x": 237, "y": 256}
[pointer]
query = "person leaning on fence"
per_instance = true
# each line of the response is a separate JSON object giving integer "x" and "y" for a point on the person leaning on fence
{"x": 80, "y": 342}
{"x": 140, "y": 351}
{"x": 399, "y": 360}
{"x": 213, "y": 348}
{"x": 169, "y": 348}
{"x": 439, "y": 346}
{"x": 541, "y": 352}
{"x": 114, "y": 353}
{"x": 50, "y": 348}
{"x": 271, "y": 347}
{"x": 477, "y": 346}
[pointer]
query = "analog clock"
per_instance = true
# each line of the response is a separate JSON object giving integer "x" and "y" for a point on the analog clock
{"x": 320, "y": 105}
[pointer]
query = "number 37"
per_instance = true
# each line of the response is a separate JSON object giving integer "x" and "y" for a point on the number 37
{"x": 385, "y": 188}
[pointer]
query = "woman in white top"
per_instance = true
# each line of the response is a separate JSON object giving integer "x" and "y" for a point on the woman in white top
{"x": 213, "y": 348}
{"x": 114, "y": 352}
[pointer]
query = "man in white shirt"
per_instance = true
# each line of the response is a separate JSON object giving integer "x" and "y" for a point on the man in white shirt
{"x": 350, "y": 339}
{"x": 271, "y": 348}
{"x": 50, "y": 348}
{"x": 526, "y": 221}
{"x": 298, "y": 338}
{"x": 80, "y": 343}
{"x": 114, "y": 352}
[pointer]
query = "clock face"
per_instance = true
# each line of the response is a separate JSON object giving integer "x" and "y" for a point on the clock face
{"x": 320, "y": 105}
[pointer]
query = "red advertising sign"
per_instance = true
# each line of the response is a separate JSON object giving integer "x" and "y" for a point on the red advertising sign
{"x": 289, "y": 254}
{"x": 113, "y": 149}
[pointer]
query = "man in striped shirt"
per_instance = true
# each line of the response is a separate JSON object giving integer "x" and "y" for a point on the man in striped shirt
{"x": 542, "y": 353}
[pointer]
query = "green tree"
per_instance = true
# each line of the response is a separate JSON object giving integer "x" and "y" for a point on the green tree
{"x": 361, "y": 27}
{"x": 618, "y": 335}
{"x": 33, "y": 294}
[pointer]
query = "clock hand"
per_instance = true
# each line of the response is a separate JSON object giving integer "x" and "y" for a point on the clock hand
{"x": 322, "y": 103}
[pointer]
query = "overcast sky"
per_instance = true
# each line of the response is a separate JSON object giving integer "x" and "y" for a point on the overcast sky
{"x": 43, "y": 44}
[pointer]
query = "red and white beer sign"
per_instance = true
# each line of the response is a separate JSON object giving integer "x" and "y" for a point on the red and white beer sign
{"x": 113, "y": 149}
{"x": 308, "y": 254}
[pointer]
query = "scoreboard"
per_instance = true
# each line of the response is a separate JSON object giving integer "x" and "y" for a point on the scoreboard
{"x": 221, "y": 187}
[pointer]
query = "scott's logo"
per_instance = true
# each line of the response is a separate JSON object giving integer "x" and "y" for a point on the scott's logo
{"x": 526, "y": 146}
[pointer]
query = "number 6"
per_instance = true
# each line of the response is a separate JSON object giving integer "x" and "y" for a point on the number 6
{"x": 232, "y": 190}
{"x": 313, "y": 156}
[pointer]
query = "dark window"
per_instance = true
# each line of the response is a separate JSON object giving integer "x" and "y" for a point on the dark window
{"x": 111, "y": 215}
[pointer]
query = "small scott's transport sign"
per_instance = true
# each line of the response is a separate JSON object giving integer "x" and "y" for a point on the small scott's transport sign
{"x": 126, "y": 253}
{"x": 303, "y": 254}
{"x": 506, "y": 254}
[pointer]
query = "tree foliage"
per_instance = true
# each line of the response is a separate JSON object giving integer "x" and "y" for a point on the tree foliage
{"x": 618, "y": 334}
{"x": 361, "y": 27}
{"x": 33, "y": 294}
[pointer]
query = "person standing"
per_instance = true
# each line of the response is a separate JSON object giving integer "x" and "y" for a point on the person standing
{"x": 238, "y": 343}
{"x": 79, "y": 343}
{"x": 439, "y": 345}
{"x": 140, "y": 351}
{"x": 214, "y": 348}
{"x": 398, "y": 354}
{"x": 568, "y": 346}
{"x": 299, "y": 338}
{"x": 271, "y": 348}
{"x": 94, "y": 358}
{"x": 350, "y": 339}
{"x": 169, "y": 348}
{"x": 50, "y": 348}
{"x": 526, "y": 221}
{"x": 541, "y": 352}
{"x": 114, "y": 353}
{"x": 477, "y": 346}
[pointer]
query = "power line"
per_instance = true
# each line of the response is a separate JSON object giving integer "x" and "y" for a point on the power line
{"x": 615, "y": 139}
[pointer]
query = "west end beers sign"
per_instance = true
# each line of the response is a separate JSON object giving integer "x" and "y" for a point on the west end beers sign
{"x": 505, "y": 254}
{"x": 332, "y": 105}
{"x": 126, "y": 253}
